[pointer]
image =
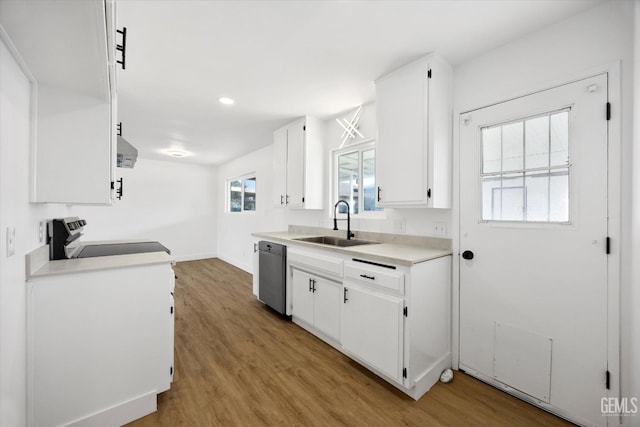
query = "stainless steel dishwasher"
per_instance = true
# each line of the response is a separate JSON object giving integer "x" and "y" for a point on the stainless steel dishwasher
{"x": 273, "y": 275}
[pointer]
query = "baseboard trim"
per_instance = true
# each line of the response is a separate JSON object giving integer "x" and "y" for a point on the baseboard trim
{"x": 194, "y": 257}
{"x": 240, "y": 265}
{"x": 120, "y": 414}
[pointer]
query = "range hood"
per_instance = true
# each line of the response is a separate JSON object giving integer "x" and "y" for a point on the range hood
{"x": 127, "y": 154}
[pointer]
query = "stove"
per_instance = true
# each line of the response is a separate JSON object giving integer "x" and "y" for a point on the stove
{"x": 62, "y": 232}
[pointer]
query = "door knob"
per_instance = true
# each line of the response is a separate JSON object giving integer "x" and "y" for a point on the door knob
{"x": 467, "y": 255}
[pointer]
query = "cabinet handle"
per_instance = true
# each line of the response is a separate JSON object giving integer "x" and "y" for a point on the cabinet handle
{"x": 120, "y": 189}
{"x": 368, "y": 277}
{"x": 345, "y": 295}
{"x": 314, "y": 285}
{"x": 255, "y": 247}
{"x": 379, "y": 193}
{"x": 122, "y": 47}
{"x": 310, "y": 287}
{"x": 287, "y": 199}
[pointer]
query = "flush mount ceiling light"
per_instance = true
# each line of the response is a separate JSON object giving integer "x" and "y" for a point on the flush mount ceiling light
{"x": 177, "y": 153}
{"x": 226, "y": 101}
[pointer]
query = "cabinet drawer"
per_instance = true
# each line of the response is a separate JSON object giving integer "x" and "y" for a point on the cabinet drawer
{"x": 319, "y": 263}
{"x": 373, "y": 275}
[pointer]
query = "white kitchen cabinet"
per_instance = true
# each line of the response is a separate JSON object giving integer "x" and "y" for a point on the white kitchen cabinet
{"x": 256, "y": 269}
{"x": 316, "y": 301}
{"x": 69, "y": 48}
{"x": 396, "y": 320}
{"x": 99, "y": 343}
{"x": 372, "y": 329}
{"x": 298, "y": 164}
{"x": 413, "y": 147}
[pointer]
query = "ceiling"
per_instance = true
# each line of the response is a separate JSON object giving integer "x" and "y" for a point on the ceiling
{"x": 280, "y": 60}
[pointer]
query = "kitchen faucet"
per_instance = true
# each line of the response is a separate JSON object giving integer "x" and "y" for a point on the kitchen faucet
{"x": 335, "y": 220}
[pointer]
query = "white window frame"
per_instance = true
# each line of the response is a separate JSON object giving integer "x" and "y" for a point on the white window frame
{"x": 360, "y": 146}
{"x": 227, "y": 193}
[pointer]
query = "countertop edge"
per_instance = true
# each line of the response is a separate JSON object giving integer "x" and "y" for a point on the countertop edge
{"x": 37, "y": 268}
{"x": 289, "y": 238}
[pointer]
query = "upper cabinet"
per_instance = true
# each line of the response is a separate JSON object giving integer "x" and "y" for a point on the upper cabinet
{"x": 69, "y": 48}
{"x": 413, "y": 148}
{"x": 298, "y": 165}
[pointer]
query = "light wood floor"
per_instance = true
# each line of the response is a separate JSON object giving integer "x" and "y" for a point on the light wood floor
{"x": 238, "y": 364}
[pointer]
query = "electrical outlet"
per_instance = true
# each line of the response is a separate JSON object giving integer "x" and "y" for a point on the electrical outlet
{"x": 41, "y": 231}
{"x": 439, "y": 229}
{"x": 11, "y": 241}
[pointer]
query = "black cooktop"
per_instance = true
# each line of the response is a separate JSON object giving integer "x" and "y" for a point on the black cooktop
{"x": 120, "y": 249}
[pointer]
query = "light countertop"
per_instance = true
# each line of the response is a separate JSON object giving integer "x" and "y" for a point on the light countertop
{"x": 39, "y": 265}
{"x": 398, "y": 251}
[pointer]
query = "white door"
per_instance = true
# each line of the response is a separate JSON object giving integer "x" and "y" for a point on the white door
{"x": 326, "y": 311}
{"x": 533, "y": 215}
{"x": 302, "y": 298}
{"x": 295, "y": 164}
{"x": 372, "y": 326}
{"x": 401, "y": 103}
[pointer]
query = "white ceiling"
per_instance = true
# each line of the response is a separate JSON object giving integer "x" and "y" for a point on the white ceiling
{"x": 283, "y": 59}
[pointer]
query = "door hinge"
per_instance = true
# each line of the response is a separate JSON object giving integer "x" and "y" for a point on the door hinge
{"x": 405, "y": 311}
{"x": 607, "y": 380}
{"x": 608, "y": 111}
{"x": 404, "y": 372}
{"x": 608, "y": 245}
{"x": 429, "y": 74}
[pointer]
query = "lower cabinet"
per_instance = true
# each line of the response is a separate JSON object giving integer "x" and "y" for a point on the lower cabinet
{"x": 316, "y": 301}
{"x": 372, "y": 329}
{"x": 99, "y": 344}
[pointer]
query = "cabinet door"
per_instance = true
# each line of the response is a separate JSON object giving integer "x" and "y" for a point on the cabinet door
{"x": 295, "y": 164}
{"x": 401, "y": 148}
{"x": 327, "y": 307}
{"x": 280, "y": 167}
{"x": 256, "y": 269}
{"x": 371, "y": 329}
{"x": 302, "y": 299}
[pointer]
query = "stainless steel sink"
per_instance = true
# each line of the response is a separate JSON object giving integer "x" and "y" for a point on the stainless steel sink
{"x": 334, "y": 241}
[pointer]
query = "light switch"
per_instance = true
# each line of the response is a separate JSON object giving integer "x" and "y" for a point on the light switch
{"x": 11, "y": 241}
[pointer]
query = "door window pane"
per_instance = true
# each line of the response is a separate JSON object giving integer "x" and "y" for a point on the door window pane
{"x": 512, "y": 147}
{"x": 525, "y": 169}
{"x": 537, "y": 142}
{"x": 491, "y": 150}
{"x": 559, "y": 123}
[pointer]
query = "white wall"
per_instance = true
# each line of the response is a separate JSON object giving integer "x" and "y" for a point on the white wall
{"x": 173, "y": 203}
{"x": 557, "y": 54}
{"x": 15, "y": 211}
{"x": 633, "y": 327}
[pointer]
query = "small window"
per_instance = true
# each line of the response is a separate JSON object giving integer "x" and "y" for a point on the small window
{"x": 525, "y": 169}
{"x": 241, "y": 194}
{"x": 355, "y": 178}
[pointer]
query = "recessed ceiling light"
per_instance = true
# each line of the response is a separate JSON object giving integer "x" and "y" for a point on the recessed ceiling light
{"x": 177, "y": 153}
{"x": 226, "y": 101}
